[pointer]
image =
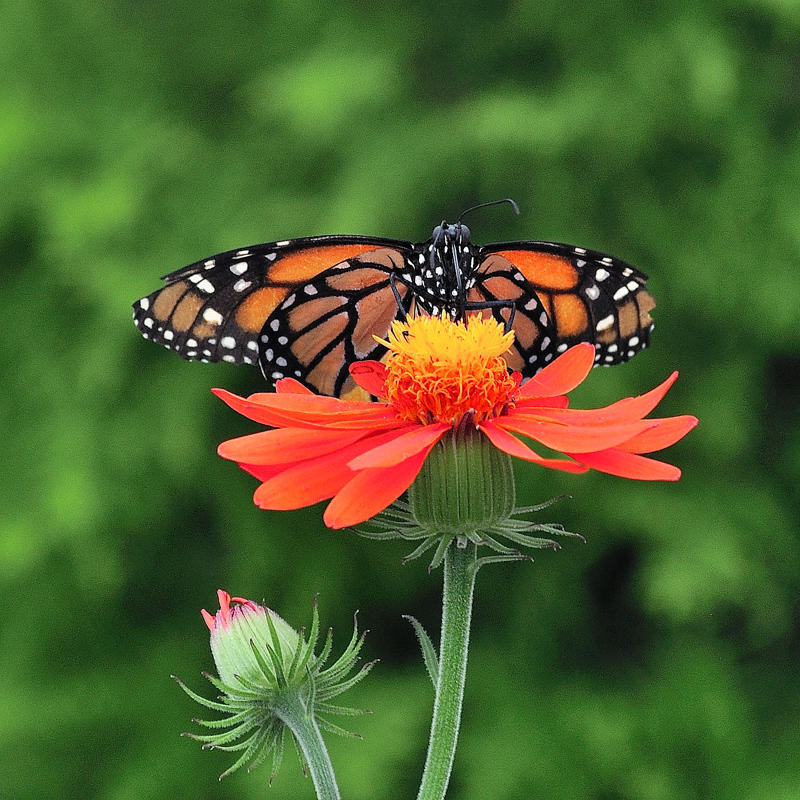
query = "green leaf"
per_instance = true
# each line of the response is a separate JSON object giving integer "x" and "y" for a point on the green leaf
{"x": 428, "y": 650}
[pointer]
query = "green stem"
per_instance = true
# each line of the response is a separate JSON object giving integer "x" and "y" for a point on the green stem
{"x": 459, "y": 581}
{"x": 290, "y": 708}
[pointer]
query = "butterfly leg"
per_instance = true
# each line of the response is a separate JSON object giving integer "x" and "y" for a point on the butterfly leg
{"x": 393, "y": 278}
{"x": 499, "y": 304}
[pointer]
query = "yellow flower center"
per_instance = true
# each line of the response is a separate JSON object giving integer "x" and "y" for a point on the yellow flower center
{"x": 439, "y": 370}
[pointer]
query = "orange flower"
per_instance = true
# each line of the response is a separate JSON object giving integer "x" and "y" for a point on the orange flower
{"x": 439, "y": 376}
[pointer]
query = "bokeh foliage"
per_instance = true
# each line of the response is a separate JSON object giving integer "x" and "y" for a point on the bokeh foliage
{"x": 659, "y": 660}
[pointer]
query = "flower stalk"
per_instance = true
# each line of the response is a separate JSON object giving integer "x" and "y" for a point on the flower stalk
{"x": 289, "y": 708}
{"x": 460, "y": 569}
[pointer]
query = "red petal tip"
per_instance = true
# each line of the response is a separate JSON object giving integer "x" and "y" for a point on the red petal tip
{"x": 370, "y": 376}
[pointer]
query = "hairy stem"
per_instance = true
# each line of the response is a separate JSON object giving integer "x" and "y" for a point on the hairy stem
{"x": 459, "y": 581}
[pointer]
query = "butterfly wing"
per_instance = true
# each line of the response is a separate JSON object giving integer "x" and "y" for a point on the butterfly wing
{"x": 564, "y": 295}
{"x": 329, "y": 323}
{"x": 215, "y": 309}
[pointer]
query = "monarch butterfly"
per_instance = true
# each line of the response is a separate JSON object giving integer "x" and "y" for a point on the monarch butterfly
{"x": 308, "y": 308}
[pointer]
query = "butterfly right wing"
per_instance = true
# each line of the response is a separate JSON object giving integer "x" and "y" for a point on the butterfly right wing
{"x": 564, "y": 295}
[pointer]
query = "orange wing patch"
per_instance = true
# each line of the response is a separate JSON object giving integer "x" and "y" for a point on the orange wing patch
{"x": 546, "y": 270}
{"x": 302, "y": 266}
{"x": 254, "y": 309}
{"x": 571, "y": 316}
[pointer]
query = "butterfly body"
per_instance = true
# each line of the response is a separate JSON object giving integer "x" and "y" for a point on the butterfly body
{"x": 309, "y": 307}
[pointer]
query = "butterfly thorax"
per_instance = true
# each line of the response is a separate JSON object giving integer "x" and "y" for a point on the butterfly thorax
{"x": 443, "y": 270}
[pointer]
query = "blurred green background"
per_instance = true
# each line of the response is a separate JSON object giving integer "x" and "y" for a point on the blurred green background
{"x": 659, "y": 660}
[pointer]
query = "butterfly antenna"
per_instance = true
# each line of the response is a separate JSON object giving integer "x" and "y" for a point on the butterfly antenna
{"x": 490, "y": 203}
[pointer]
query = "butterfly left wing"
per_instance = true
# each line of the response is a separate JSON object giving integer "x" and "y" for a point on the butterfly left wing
{"x": 329, "y": 323}
{"x": 564, "y": 295}
{"x": 215, "y": 309}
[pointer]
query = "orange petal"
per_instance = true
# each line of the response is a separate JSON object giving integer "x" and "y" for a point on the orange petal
{"x": 291, "y": 386}
{"x": 309, "y": 411}
{"x": 316, "y": 479}
{"x": 504, "y": 441}
{"x": 302, "y": 485}
{"x": 573, "y": 438}
{"x": 402, "y": 447}
{"x": 372, "y": 490}
{"x": 563, "y": 375}
{"x": 286, "y": 445}
{"x": 370, "y": 376}
{"x": 532, "y": 403}
{"x": 628, "y": 465}
{"x": 666, "y": 433}
{"x": 264, "y": 473}
{"x": 626, "y": 409}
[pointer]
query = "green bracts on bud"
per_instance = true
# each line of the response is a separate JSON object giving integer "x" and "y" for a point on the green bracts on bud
{"x": 271, "y": 681}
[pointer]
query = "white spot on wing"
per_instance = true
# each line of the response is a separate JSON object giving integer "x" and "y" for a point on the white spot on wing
{"x": 144, "y": 304}
{"x": 228, "y": 342}
{"x": 241, "y": 285}
{"x": 621, "y": 292}
{"x": 206, "y": 286}
{"x": 212, "y": 316}
{"x": 605, "y": 323}
{"x": 601, "y": 274}
{"x": 239, "y": 268}
{"x": 593, "y": 292}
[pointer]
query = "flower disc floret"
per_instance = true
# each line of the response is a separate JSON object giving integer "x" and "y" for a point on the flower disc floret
{"x": 439, "y": 371}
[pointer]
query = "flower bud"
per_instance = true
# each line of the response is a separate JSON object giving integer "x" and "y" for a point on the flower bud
{"x": 271, "y": 681}
{"x": 236, "y": 630}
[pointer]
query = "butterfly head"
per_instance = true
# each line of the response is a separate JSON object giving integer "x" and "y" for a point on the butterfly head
{"x": 448, "y": 234}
